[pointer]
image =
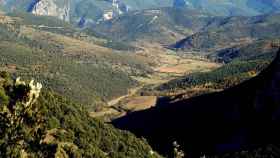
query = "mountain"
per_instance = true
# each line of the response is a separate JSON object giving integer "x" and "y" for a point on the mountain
{"x": 236, "y": 7}
{"x": 224, "y": 7}
{"x": 262, "y": 50}
{"x": 93, "y": 11}
{"x": 85, "y": 68}
{"x": 180, "y": 3}
{"x": 106, "y": 10}
{"x": 159, "y": 25}
{"x": 59, "y": 9}
{"x": 227, "y": 32}
{"x": 56, "y": 8}
{"x": 244, "y": 117}
{"x": 218, "y": 8}
{"x": 264, "y": 5}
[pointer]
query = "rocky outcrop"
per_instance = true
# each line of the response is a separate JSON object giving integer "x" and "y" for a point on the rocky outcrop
{"x": 56, "y": 8}
{"x": 118, "y": 8}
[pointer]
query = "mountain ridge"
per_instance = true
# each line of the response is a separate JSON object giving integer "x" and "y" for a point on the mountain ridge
{"x": 103, "y": 8}
{"x": 227, "y": 32}
{"x": 158, "y": 25}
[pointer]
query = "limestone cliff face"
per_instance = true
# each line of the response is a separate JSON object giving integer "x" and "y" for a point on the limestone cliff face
{"x": 56, "y": 8}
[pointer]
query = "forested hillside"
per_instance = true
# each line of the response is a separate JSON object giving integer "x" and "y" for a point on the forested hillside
{"x": 65, "y": 60}
{"x": 163, "y": 25}
{"x": 231, "y": 31}
{"x": 39, "y": 123}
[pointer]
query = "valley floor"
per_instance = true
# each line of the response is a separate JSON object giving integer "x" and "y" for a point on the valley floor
{"x": 167, "y": 66}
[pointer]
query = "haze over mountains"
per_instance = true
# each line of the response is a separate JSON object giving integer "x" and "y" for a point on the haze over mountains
{"x": 172, "y": 20}
{"x": 93, "y": 11}
{"x": 235, "y": 7}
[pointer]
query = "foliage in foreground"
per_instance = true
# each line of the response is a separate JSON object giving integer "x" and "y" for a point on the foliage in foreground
{"x": 50, "y": 126}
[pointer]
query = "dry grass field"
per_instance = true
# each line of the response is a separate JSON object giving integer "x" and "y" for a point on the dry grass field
{"x": 139, "y": 103}
{"x": 185, "y": 66}
{"x": 166, "y": 65}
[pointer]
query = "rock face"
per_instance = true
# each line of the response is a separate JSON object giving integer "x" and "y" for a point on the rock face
{"x": 56, "y": 8}
{"x": 117, "y": 8}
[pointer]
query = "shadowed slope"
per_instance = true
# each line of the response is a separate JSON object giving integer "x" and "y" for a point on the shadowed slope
{"x": 237, "y": 118}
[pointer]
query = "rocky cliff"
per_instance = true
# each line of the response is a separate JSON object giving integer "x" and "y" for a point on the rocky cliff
{"x": 57, "y": 8}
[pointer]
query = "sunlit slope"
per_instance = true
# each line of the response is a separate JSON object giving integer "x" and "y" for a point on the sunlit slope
{"x": 75, "y": 67}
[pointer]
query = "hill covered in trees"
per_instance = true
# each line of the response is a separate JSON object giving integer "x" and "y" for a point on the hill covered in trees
{"x": 231, "y": 31}
{"x": 39, "y": 123}
{"x": 72, "y": 63}
{"x": 163, "y": 25}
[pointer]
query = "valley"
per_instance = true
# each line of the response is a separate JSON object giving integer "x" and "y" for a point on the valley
{"x": 60, "y": 60}
{"x": 139, "y": 78}
{"x": 167, "y": 66}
